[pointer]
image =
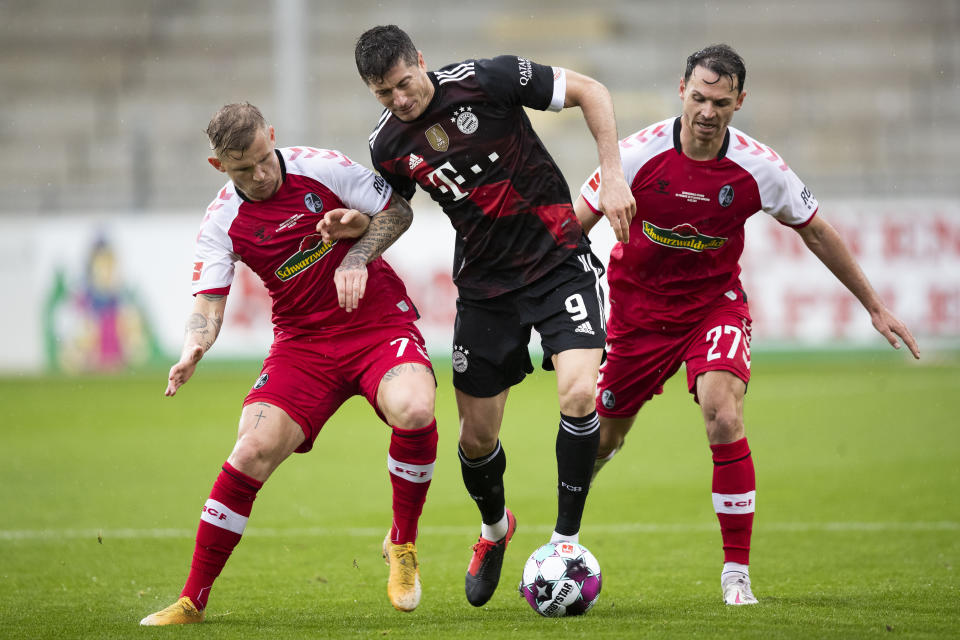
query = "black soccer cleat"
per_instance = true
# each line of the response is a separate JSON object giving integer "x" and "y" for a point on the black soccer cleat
{"x": 483, "y": 574}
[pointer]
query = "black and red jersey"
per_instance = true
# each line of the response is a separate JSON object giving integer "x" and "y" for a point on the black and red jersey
{"x": 475, "y": 152}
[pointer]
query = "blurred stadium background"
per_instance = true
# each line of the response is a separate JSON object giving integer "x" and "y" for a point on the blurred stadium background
{"x": 103, "y": 177}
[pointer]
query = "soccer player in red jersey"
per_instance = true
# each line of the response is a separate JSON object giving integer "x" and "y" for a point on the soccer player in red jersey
{"x": 521, "y": 261}
{"x": 328, "y": 344}
{"x": 675, "y": 293}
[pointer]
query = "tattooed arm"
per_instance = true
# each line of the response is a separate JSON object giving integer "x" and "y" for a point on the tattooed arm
{"x": 385, "y": 227}
{"x": 203, "y": 327}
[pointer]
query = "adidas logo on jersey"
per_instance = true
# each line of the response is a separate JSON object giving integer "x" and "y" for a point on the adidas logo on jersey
{"x": 586, "y": 327}
{"x": 415, "y": 161}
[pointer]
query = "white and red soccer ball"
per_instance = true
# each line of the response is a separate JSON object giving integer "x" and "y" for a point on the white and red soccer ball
{"x": 561, "y": 579}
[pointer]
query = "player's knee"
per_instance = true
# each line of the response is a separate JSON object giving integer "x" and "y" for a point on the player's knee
{"x": 416, "y": 414}
{"x": 252, "y": 452}
{"x": 578, "y": 399}
{"x": 477, "y": 445}
{"x": 723, "y": 425}
{"x": 412, "y": 409}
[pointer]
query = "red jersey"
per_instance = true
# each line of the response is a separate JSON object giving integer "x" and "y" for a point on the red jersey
{"x": 277, "y": 239}
{"x": 687, "y": 236}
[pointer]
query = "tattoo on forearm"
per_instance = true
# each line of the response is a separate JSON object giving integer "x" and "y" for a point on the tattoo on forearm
{"x": 198, "y": 325}
{"x": 385, "y": 227}
{"x": 196, "y": 322}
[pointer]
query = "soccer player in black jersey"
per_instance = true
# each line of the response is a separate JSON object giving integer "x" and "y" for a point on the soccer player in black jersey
{"x": 521, "y": 260}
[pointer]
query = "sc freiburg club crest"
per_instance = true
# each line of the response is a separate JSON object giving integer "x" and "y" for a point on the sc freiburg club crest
{"x": 313, "y": 202}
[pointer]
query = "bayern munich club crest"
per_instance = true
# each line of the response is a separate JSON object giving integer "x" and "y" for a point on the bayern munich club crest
{"x": 465, "y": 120}
{"x": 725, "y": 197}
{"x": 459, "y": 358}
{"x": 313, "y": 202}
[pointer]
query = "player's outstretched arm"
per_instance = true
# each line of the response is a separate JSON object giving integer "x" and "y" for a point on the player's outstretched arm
{"x": 385, "y": 227}
{"x": 615, "y": 198}
{"x": 203, "y": 327}
{"x": 824, "y": 241}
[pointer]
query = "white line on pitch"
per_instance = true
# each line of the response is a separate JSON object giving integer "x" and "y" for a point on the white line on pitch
{"x": 628, "y": 527}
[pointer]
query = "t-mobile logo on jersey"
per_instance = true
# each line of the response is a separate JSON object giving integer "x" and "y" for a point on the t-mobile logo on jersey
{"x": 448, "y": 180}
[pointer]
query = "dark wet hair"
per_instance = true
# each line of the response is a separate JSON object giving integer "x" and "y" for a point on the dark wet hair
{"x": 722, "y": 60}
{"x": 234, "y": 127}
{"x": 379, "y": 49}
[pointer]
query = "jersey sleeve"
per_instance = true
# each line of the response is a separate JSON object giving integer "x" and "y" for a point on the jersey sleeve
{"x": 213, "y": 258}
{"x": 512, "y": 80}
{"x": 357, "y": 186}
{"x": 591, "y": 191}
{"x": 403, "y": 185}
{"x": 784, "y": 196}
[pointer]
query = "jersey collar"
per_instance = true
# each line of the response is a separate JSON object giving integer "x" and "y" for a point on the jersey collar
{"x": 676, "y": 140}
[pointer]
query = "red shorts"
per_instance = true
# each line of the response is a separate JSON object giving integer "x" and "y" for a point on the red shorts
{"x": 309, "y": 377}
{"x": 639, "y": 361}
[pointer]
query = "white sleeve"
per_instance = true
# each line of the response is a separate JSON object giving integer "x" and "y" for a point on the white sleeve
{"x": 784, "y": 196}
{"x": 591, "y": 191}
{"x": 559, "y": 89}
{"x": 214, "y": 258}
{"x": 357, "y": 186}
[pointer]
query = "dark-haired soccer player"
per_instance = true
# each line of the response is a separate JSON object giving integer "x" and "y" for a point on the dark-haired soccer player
{"x": 521, "y": 260}
{"x": 328, "y": 344}
{"x": 675, "y": 293}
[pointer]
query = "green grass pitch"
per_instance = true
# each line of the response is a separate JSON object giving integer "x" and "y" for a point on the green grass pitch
{"x": 857, "y": 532}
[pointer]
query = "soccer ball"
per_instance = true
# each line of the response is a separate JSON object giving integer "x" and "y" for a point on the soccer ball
{"x": 561, "y": 579}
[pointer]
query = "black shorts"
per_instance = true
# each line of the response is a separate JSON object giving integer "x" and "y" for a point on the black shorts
{"x": 490, "y": 337}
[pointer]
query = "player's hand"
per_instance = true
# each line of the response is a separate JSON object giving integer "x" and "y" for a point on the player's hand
{"x": 351, "y": 281}
{"x": 181, "y": 372}
{"x": 338, "y": 224}
{"x": 618, "y": 205}
{"x": 890, "y": 327}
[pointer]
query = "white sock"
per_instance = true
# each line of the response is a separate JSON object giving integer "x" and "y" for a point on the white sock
{"x": 495, "y": 532}
{"x": 559, "y": 537}
{"x": 735, "y": 566}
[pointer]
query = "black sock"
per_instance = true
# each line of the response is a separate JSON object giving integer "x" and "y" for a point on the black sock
{"x": 483, "y": 478}
{"x": 577, "y": 442}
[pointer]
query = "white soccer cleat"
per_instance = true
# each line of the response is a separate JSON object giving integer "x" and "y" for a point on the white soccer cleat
{"x": 736, "y": 588}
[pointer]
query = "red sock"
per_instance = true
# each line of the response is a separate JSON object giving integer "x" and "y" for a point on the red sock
{"x": 734, "y": 497}
{"x": 410, "y": 461}
{"x": 222, "y": 521}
